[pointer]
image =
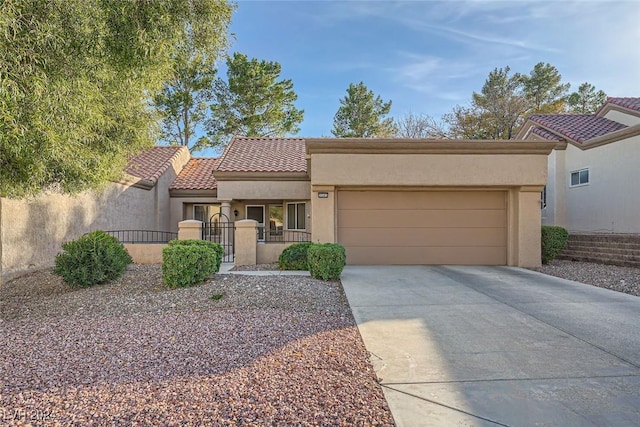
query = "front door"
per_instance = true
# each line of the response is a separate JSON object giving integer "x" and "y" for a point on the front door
{"x": 256, "y": 213}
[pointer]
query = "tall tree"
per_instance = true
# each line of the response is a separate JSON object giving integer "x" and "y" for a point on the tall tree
{"x": 586, "y": 100}
{"x": 252, "y": 102}
{"x": 544, "y": 89}
{"x": 361, "y": 115}
{"x": 75, "y": 81}
{"x": 184, "y": 100}
{"x": 413, "y": 125}
{"x": 503, "y": 100}
{"x": 468, "y": 123}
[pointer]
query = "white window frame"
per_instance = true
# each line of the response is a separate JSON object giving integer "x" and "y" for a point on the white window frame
{"x": 579, "y": 184}
{"x": 296, "y": 215}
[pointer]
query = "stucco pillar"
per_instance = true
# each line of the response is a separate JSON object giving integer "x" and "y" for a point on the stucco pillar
{"x": 323, "y": 214}
{"x": 225, "y": 211}
{"x": 529, "y": 224}
{"x": 190, "y": 229}
{"x": 246, "y": 240}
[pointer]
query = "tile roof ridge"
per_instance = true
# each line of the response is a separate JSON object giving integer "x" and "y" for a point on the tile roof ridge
{"x": 225, "y": 152}
{"x": 163, "y": 168}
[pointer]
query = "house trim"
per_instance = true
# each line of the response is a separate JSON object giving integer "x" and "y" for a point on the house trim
{"x": 425, "y": 146}
{"x": 261, "y": 176}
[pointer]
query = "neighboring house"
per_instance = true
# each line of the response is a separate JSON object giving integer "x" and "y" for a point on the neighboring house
{"x": 593, "y": 171}
{"x": 388, "y": 201}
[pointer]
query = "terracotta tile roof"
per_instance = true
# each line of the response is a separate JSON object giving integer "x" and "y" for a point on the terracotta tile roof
{"x": 545, "y": 134}
{"x": 578, "y": 127}
{"x": 245, "y": 154}
{"x": 196, "y": 175}
{"x": 152, "y": 163}
{"x": 630, "y": 103}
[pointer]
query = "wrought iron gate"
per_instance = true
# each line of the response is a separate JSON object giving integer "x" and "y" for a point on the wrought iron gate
{"x": 220, "y": 230}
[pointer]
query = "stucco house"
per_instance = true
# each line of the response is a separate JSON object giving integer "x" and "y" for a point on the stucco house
{"x": 388, "y": 201}
{"x": 392, "y": 201}
{"x": 592, "y": 185}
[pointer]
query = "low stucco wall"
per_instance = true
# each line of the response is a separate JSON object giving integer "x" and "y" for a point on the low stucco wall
{"x": 269, "y": 252}
{"x": 145, "y": 253}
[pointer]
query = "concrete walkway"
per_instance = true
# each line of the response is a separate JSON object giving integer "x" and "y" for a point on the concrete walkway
{"x": 486, "y": 346}
{"x": 225, "y": 268}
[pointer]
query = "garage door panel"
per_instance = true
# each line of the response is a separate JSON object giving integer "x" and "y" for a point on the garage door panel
{"x": 429, "y": 227}
{"x": 402, "y": 255}
{"x": 416, "y": 237}
{"x": 389, "y": 200}
{"x": 421, "y": 218}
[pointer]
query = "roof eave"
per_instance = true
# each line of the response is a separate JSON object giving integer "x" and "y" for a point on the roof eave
{"x": 189, "y": 192}
{"x": 259, "y": 176}
{"x": 426, "y": 146}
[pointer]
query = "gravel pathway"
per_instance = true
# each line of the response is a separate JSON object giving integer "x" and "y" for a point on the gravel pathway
{"x": 621, "y": 279}
{"x": 237, "y": 350}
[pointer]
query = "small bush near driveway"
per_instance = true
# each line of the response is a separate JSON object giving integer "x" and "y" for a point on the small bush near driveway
{"x": 326, "y": 261}
{"x": 294, "y": 257}
{"x": 92, "y": 259}
{"x": 554, "y": 239}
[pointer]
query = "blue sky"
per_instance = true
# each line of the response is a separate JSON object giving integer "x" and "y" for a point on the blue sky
{"x": 428, "y": 56}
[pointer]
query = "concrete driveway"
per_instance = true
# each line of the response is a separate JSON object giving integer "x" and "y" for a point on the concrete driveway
{"x": 486, "y": 346}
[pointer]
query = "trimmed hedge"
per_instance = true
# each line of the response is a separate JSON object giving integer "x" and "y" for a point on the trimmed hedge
{"x": 93, "y": 259}
{"x": 189, "y": 262}
{"x": 294, "y": 257}
{"x": 554, "y": 239}
{"x": 326, "y": 261}
{"x": 217, "y": 247}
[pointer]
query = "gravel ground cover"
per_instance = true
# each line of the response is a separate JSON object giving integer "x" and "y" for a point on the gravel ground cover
{"x": 621, "y": 279}
{"x": 276, "y": 350}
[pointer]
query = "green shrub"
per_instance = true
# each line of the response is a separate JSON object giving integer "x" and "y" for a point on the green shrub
{"x": 217, "y": 247}
{"x": 92, "y": 259}
{"x": 326, "y": 261}
{"x": 294, "y": 257}
{"x": 554, "y": 239}
{"x": 188, "y": 264}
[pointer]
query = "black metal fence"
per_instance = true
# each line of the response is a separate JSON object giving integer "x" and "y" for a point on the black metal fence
{"x": 142, "y": 236}
{"x": 222, "y": 233}
{"x": 269, "y": 235}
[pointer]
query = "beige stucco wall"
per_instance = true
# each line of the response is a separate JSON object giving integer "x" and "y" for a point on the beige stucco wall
{"x": 269, "y": 252}
{"x": 265, "y": 190}
{"x": 611, "y": 200}
{"x": 428, "y": 169}
{"x": 33, "y": 230}
{"x": 145, "y": 253}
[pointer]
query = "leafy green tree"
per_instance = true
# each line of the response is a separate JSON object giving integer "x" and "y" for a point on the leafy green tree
{"x": 183, "y": 102}
{"x": 502, "y": 102}
{"x": 586, "y": 100}
{"x": 252, "y": 102}
{"x": 361, "y": 115}
{"x": 76, "y": 77}
{"x": 544, "y": 89}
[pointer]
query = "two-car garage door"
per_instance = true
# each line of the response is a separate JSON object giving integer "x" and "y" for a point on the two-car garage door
{"x": 423, "y": 227}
